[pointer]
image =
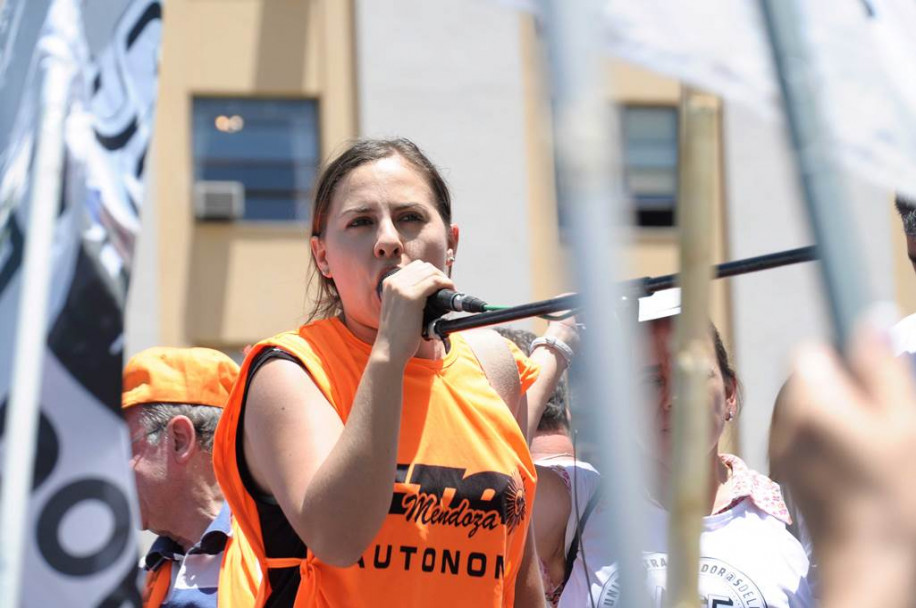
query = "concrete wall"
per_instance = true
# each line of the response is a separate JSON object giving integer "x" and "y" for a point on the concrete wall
{"x": 231, "y": 284}
{"x": 775, "y": 310}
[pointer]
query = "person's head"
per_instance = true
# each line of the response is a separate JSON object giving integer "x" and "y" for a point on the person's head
{"x": 658, "y": 376}
{"x": 907, "y": 209}
{"x": 172, "y": 399}
{"x": 555, "y": 418}
{"x": 380, "y": 204}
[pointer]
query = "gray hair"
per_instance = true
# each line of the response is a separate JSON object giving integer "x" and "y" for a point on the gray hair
{"x": 155, "y": 416}
{"x": 907, "y": 209}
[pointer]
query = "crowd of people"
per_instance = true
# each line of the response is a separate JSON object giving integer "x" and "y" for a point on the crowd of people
{"x": 350, "y": 462}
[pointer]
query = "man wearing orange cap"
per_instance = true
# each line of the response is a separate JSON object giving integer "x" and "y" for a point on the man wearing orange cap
{"x": 172, "y": 401}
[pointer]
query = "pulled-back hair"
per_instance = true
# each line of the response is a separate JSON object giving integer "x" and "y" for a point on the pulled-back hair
{"x": 725, "y": 366}
{"x": 361, "y": 152}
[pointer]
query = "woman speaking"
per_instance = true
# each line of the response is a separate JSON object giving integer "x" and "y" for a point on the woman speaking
{"x": 367, "y": 465}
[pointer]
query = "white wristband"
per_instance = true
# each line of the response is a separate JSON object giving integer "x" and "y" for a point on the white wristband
{"x": 556, "y": 345}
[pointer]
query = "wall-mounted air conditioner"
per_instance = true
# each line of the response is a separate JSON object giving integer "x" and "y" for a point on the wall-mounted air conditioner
{"x": 217, "y": 200}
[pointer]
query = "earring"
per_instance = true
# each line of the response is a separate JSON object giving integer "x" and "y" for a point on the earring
{"x": 729, "y": 416}
{"x": 450, "y": 259}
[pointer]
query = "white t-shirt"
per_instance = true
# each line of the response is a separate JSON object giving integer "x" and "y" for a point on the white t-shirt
{"x": 799, "y": 529}
{"x": 903, "y": 335}
{"x": 582, "y": 480}
{"x": 749, "y": 560}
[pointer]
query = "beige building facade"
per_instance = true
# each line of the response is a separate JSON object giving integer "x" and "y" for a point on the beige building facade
{"x": 466, "y": 80}
{"x": 210, "y": 288}
{"x": 228, "y": 284}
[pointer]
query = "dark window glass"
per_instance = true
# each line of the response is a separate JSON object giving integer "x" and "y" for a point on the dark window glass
{"x": 650, "y": 152}
{"x": 269, "y": 145}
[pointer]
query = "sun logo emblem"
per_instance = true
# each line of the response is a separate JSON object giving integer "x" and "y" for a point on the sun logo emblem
{"x": 515, "y": 502}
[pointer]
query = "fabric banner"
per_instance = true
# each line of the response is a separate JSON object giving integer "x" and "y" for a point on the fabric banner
{"x": 81, "y": 545}
{"x": 862, "y": 65}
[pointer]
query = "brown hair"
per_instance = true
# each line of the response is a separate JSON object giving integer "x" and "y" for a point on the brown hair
{"x": 725, "y": 366}
{"x": 361, "y": 152}
{"x": 555, "y": 418}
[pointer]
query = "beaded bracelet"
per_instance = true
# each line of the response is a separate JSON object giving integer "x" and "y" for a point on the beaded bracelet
{"x": 556, "y": 345}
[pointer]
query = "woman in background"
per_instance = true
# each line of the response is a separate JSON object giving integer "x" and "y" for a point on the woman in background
{"x": 748, "y": 558}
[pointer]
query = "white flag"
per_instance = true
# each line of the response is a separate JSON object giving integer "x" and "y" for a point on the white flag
{"x": 81, "y": 545}
{"x": 863, "y": 64}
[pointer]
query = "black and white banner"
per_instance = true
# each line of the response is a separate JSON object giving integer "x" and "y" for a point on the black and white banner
{"x": 80, "y": 543}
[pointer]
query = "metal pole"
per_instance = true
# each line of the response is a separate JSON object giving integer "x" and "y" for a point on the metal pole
{"x": 633, "y": 288}
{"x": 738, "y": 267}
{"x": 826, "y": 198}
{"x": 22, "y": 412}
{"x": 590, "y": 187}
{"x": 690, "y": 464}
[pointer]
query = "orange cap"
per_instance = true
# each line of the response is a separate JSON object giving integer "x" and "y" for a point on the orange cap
{"x": 196, "y": 376}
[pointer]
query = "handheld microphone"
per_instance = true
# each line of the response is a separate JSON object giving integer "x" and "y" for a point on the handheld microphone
{"x": 446, "y": 300}
{"x": 441, "y": 302}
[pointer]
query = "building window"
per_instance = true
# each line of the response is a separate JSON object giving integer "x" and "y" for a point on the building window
{"x": 650, "y": 152}
{"x": 270, "y": 146}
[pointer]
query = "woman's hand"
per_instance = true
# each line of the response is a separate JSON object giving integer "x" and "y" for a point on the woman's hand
{"x": 404, "y": 296}
{"x": 552, "y": 359}
{"x": 846, "y": 440}
{"x": 566, "y": 330}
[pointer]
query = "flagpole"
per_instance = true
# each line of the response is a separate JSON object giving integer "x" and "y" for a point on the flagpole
{"x": 23, "y": 408}
{"x": 589, "y": 184}
{"x": 826, "y": 197}
{"x": 690, "y": 471}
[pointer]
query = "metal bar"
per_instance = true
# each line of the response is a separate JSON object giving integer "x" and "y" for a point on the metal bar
{"x": 589, "y": 179}
{"x": 736, "y": 267}
{"x": 826, "y": 198}
{"x": 629, "y": 289}
{"x": 690, "y": 459}
{"x": 25, "y": 390}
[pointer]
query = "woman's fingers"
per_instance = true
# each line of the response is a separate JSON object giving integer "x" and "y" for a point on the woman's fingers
{"x": 882, "y": 376}
{"x": 822, "y": 397}
{"x": 566, "y": 329}
{"x": 416, "y": 280}
{"x": 404, "y": 296}
{"x": 844, "y": 432}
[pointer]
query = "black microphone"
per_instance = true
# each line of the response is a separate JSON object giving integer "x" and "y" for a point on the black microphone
{"x": 446, "y": 300}
{"x": 441, "y": 302}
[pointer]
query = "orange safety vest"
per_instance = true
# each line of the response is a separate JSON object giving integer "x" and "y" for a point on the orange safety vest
{"x": 239, "y": 575}
{"x": 465, "y": 484}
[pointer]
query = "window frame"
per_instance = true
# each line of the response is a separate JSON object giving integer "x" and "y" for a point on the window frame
{"x": 307, "y": 192}
{"x": 648, "y": 219}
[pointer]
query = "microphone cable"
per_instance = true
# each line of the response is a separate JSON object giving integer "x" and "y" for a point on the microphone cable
{"x": 547, "y": 317}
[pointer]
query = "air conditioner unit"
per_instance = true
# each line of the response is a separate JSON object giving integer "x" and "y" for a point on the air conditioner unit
{"x": 215, "y": 200}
